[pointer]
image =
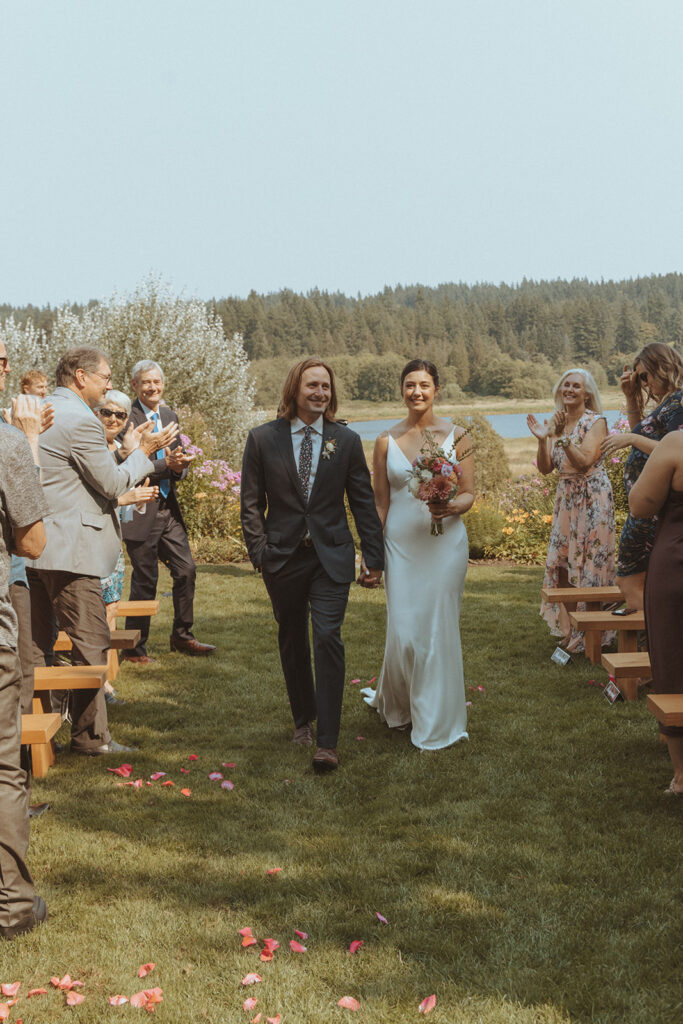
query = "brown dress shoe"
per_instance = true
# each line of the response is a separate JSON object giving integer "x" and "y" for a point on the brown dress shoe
{"x": 191, "y": 646}
{"x": 303, "y": 735}
{"x": 325, "y": 760}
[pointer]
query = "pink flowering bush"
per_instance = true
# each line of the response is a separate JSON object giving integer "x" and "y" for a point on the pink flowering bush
{"x": 209, "y": 497}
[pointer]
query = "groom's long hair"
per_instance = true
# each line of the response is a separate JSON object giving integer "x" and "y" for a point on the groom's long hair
{"x": 290, "y": 389}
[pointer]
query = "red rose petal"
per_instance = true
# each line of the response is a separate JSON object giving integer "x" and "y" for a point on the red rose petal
{"x": 249, "y": 940}
{"x": 251, "y": 979}
{"x": 156, "y": 776}
{"x": 36, "y": 992}
{"x": 355, "y": 945}
{"x": 250, "y": 1003}
{"x": 168, "y": 782}
{"x": 296, "y": 947}
{"x": 10, "y": 989}
{"x": 138, "y": 1000}
{"x": 145, "y": 969}
{"x": 186, "y": 792}
{"x": 227, "y": 764}
{"x": 273, "y": 871}
{"x": 74, "y": 998}
{"x": 348, "y": 1003}
{"x": 192, "y": 757}
{"x": 117, "y": 1000}
{"x": 123, "y": 770}
{"x": 302, "y": 935}
{"x": 266, "y": 955}
{"x": 185, "y": 771}
{"x": 427, "y": 1005}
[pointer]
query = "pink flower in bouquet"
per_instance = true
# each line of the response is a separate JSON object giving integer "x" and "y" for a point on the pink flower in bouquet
{"x": 447, "y": 469}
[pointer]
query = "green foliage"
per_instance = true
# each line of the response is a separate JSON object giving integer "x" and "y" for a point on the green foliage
{"x": 492, "y": 469}
{"x": 484, "y": 523}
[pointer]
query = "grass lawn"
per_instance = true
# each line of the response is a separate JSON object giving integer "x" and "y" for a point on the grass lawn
{"x": 529, "y": 875}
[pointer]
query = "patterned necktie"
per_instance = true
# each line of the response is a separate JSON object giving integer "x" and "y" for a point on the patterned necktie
{"x": 164, "y": 485}
{"x": 305, "y": 461}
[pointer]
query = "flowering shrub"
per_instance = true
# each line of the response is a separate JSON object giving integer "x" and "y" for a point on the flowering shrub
{"x": 209, "y": 497}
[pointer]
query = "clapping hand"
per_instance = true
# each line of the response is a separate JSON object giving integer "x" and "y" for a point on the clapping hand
{"x": 177, "y": 459}
{"x": 30, "y": 415}
{"x": 539, "y": 430}
{"x": 140, "y": 495}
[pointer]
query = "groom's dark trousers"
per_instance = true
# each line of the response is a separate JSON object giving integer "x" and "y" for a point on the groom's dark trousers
{"x": 304, "y": 548}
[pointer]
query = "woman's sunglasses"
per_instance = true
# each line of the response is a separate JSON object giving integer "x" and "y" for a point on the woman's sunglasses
{"x": 110, "y": 412}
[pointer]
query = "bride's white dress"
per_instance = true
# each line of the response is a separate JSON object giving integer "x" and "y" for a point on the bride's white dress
{"x": 422, "y": 676}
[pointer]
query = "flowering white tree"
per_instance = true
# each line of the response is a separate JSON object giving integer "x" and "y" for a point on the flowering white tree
{"x": 27, "y": 348}
{"x": 204, "y": 370}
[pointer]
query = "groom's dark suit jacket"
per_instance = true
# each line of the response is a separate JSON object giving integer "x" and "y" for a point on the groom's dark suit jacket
{"x": 276, "y": 516}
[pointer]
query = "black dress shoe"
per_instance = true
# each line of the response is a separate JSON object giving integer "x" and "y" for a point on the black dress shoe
{"x": 105, "y": 748}
{"x": 191, "y": 646}
{"x": 36, "y": 915}
{"x": 36, "y": 810}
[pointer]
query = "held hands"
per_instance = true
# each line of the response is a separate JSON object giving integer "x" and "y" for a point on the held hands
{"x": 369, "y": 578}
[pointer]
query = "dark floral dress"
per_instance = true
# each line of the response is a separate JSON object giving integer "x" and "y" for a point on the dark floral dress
{"x": 637, "y": 536}
{"x": 582, "y": 533}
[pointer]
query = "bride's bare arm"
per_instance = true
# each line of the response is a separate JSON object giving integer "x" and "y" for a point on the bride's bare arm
{"x": 380, "y": 479}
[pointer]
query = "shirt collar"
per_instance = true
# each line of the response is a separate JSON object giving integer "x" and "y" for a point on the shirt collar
{"x": 148, "y": 412}
{"x": 298, "y": 424}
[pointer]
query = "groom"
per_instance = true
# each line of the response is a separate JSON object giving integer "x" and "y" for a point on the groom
{"x": 295, "y": 473}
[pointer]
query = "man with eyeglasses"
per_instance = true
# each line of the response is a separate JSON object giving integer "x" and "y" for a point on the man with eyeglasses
{"x": 160, "y": 533}
{"x": 81, "y": 482}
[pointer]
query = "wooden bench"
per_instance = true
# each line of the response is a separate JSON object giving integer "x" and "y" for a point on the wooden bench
{"x": 65, "y": 677}
{"x": 37, "y": 731}
{"x": 594, "y": 624}
{"x": 627, "y": 668}
{"x": 139, "y": 609}
{"x": 592, "y": 597}
{"x": 121, "y": 640}
{"x": 666, "y": 707}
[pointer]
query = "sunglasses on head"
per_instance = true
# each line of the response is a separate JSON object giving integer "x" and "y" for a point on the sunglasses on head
{"x": 110, "y": 412}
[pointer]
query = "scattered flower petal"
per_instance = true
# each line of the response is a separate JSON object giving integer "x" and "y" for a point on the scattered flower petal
{"x": 250, "y": 1003}
{"x": 227, "y": 784}
{"x": 246, "y": 931}
{"x": 249, "y": 940}
{"x": 302, "y": 935}
{"x": 251, "y": 979}
{"x": 355, "y": 945}
{"x": 154, "y": 995}
{"x": 214, "y": 776}
{"x": 266, "y": 955}
{"x": 227, "y": 764}
{"x": 168, "y": 782}
{"x": 371, "y": 681}
{"x": 481, "y": 689}
{"x": 360, "y": 737}
{"x": 10, "y": 990}
{"x": 296, "y": 947}
{"x": 4, "y": 1011}
{"x": 74, "y": 998}
{"x": 256, "y": 1019}
{"x": 138, "y": 1000}
{"x": 192, "y": 757}
{"x": 123, "y": 770}
{"x": 348, "y": 1003}
{"x": 381, "y": 918}
{"x": 271, "y": 944}
{"x": 427, "y": 1005}
{"x": 273, "y": 871}
{"x": 354, "y": 682}
{"x": 156, "y": 776}
{"x": 468, "y": 703}
{"x": 185, "y": 771}
{"x": 274, "y": 1020}
{"x": 36, "y": 992}
{"x": 145, "y": 969}
{"x": 117, "y": 1000}
{"x": 186, "y": 792}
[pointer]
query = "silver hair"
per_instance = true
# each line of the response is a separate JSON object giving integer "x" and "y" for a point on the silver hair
{"x": 144, "y": 366}
{"x": 118, "y": 398}
{"x": 592, "y": 393}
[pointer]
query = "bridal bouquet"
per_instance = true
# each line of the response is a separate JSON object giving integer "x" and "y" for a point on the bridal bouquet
{"x": 435, "y": 476}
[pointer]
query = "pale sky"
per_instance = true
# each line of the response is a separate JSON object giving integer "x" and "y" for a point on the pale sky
{"x": 226, "y": 146}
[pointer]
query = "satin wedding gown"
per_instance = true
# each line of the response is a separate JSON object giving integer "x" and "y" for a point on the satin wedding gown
{"x": 422, "y": 676}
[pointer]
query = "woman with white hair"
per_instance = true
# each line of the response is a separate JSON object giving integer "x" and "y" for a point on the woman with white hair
{"x": 581, "y": 546}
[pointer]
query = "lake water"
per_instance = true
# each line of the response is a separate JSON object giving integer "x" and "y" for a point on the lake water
{"x": 507, "y": 424}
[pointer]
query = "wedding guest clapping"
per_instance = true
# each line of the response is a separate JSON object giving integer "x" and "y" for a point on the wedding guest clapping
{"x": 657, "y": 374}
{"x": 581, "y": 546}
{"x": 659, "y": 491}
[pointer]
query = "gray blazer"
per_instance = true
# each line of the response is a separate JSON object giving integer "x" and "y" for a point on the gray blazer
{"x": 82, "y": 481}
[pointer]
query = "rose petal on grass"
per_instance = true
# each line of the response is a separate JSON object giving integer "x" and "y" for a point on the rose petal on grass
{"x": 138, "y": 1000}
{"x": 266, "y": 955}
{"x": 302, "y": 935}
{"x": 256, "y": 1019}
{"x": 273, "y": 871}
{"x": 155, "y": 776}
{"x": 4, "y": 1011}
{"x": 381, "y": 918}
{"x": 354, "y": 682}
{"x": 250, "y": 1003}
{"x": 348, "y": 1003}
{"x": 249, "y": 940}
{"x": 427, "y": 1005}
{"x": 192, "y": 757}
{"x": 228, "y": 764}
{"x": 74, "y": 998}
{"x": 271, "y": 944}
{"x": 64, "y": 983}
{"x": 246, "y": 931}
{"x": 251, "y": 979}
{"x": 296, "y": 947}
{"x": 124, "y": 770}
{"x": 274, "y": 1020}
{"x": 468, "y": 703}
{"x": 371, "y": 681}
{"x": 481, "y": 689}
{"x": 154, "y": 995}
{"x": 168, "y": 782}
{"x": 117, "y": 1000}
{"x": 227, "y": 784}
{"x": 214, "y": 776}
{"x": 136, "y": 785}
{"x": 36, "y": 992}
{"x": 186, "y": 792}
{"x": 355, "y": 945}
{"x": 10, "y": 989}
{"x": 360, "y": 737}
{"x": 145, "y": 969}
{"x": 185, "y": 771}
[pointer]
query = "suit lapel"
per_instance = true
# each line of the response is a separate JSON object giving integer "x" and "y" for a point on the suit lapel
{"x": 283, "y": 440}
{"x": 323, "y": 466}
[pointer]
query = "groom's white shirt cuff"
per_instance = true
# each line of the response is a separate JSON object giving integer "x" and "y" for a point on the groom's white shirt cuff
{"x": 316, "y": 441}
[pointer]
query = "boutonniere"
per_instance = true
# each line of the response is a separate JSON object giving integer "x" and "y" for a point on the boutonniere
{"x": 329, "y": 448}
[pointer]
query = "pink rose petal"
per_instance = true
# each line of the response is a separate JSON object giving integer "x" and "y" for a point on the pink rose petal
{"x": 354, "y": 682}
{"x": 381, "y": 918}
{"x": 117, "y": 1000}
{"x": 156, "y": 776}
{"x": 273, "y": 871}
{"x": 251, "y": 979}
{"x": 145, "y": 969}
{"x": 168, "y": 782}
{"x": 192, "y": 757}
{"x": 249, "y": 940}
{"x": 348, "y": 1003}
{"x": 246, "y": 931}
{"x": 36, "y": 992}
{"x": 227, "y": 764}
{"x": 296, "y": 947}
{"x": 10, "y": 989}
{"x": 250, "y": 1003}
{"x": 427, "y": 1005}
{"x": 74, "y": 998}
{"x": 186, "y": 792}
{"x": 227, "y": 784}
{"x": 355, "y": 945}
{"x": 302, "y": 935}
{"x": 274, "y": 1020}
{"x": 123, "y": 770}
{"x": 4, "y": 1011}
{"x": 185, "y": 771}
{"x": 139, "y": 999}
{"x": 266, "y": 955}
{"x": 214, "y": 776}
{"x": 256, "y": 1019}
{"x": 271, "y": 944}
{"x": 371, "y": 681}
{"x": 360, "y": 737}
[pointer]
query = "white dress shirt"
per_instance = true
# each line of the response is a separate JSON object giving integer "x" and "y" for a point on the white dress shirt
{"x": 298, "y": 427}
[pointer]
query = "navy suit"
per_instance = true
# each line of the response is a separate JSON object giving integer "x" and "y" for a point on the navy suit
{"x": 305, "y": 551}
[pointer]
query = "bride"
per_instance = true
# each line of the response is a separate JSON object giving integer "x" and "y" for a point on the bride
{"x": 421, "y": 684}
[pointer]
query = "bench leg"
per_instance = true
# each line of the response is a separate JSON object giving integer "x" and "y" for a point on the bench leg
{"x": 592, "y": 640}
{"x": 42, "y": 756}
{"x": 628, "y": 644}
{"x": 112, "y": 664}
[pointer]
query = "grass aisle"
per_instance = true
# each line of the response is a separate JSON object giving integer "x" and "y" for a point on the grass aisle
{"x": 526, "y": 876}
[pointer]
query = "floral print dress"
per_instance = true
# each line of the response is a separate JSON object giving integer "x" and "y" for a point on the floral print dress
{"x": 637, "y": 536}
{"x": 582, "y": 533}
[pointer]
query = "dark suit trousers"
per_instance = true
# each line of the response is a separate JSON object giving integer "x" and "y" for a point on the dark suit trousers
{"x": 302, "y": 584}
{"x": 16, "y": 885}
{"x": 167, "y": 541}
{"x": 77, "y": 605}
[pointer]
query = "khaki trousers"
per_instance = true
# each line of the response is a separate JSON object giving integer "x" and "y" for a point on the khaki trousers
{"x": 16, "y": 884}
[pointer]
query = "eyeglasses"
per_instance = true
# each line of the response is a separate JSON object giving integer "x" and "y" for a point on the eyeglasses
{"x": 110, "y": 412}
{"x": 106, "y": 377}
{"x": 3, "y": 362}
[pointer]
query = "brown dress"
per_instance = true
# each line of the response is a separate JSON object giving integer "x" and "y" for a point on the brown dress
{"x": 664, "y": 603}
